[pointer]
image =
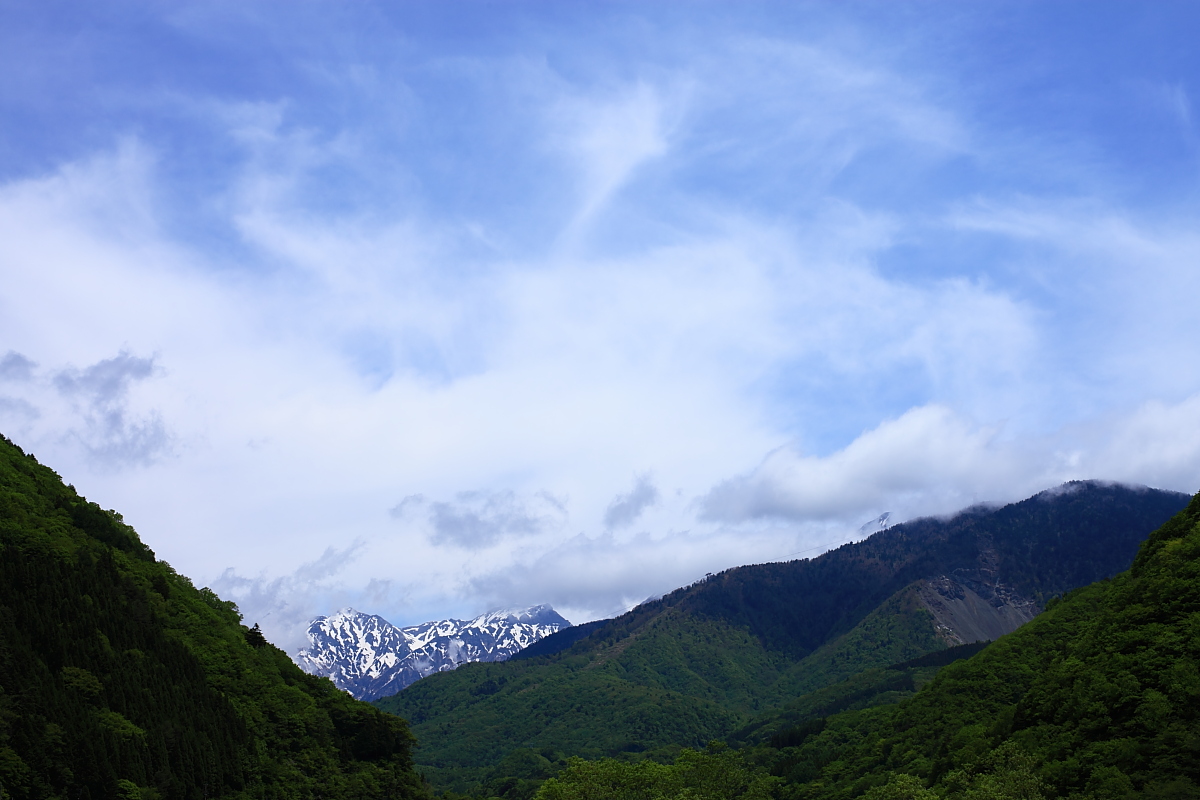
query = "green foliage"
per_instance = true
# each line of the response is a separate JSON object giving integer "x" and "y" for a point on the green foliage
{"x": 897, "y": 630}
{"x": 805, "y": 715}
{"x": 669, "y": 687}
{"x": 1097, "y": 698}
{"x": 901, "y": 787}
{"x": 119, "y": 679}
{"x": 940, "y": 658}
{"x": 520, "y": 773}
{"x": 255, "y": 638}
{"x": 1006, "y": 773}
{"x": 716, "y": 774}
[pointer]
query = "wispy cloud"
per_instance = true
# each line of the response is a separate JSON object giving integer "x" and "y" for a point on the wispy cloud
{"x": 593, "y": 576}
{"x": 609, "y": 138}
{"x": 90, "y": 407}
{"x": 100, "y": 394}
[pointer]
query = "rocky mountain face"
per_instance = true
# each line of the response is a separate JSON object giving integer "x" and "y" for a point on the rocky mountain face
{"x": 962, "y": 614}
{"x": 369, "y": 657}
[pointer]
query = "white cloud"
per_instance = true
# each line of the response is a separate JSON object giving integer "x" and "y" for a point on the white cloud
{"x": 283, "y": 605}
{"x": 1158, "y": 444}
{"x": 928, "y": 458}
{"x": 590, "y": 577}
{"x": 99, "y": 395}
{"x": 932, "y": 461}
{"x": 92, "y": 409}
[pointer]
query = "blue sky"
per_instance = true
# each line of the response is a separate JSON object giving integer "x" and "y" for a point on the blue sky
{"x": 431, "y": 308}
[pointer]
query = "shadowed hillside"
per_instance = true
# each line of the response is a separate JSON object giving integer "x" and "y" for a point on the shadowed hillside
{"x": 120, "y": 679}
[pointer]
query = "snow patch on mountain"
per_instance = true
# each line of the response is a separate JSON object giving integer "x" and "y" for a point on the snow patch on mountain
{"x": 369, "y": 657}
{"x": 880, "y": 523}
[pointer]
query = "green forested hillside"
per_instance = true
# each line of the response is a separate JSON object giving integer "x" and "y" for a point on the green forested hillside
{"x": 1096, "y": 699}
{"x": 872, "y": 686}
{"x": 703, "y": 661}
{"x": 120, "y": 679}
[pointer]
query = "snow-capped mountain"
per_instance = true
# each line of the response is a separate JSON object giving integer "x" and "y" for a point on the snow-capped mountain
{"x": 370, "y": 657}
{"x": 880, "y": 523}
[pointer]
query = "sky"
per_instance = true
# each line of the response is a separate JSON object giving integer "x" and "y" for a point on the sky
{"x": 431, "y": 309}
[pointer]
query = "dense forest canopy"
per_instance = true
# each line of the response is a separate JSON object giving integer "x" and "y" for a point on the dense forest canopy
{"x": 120, "y": 679}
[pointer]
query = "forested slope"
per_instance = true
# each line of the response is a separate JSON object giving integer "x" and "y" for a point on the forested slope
{"x": 704, "y": 660}
{"x": 1096, "y": 699}
{"x": 1099, "y": 697}
{"x": 120, "y": 679}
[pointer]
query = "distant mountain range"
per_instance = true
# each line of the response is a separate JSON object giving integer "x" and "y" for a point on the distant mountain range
{"x": 369, "y": 657}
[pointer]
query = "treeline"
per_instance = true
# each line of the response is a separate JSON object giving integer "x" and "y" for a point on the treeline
{"x": 120, "y": 679}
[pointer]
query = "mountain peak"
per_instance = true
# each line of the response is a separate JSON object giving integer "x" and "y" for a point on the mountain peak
{"x": 369, "y": 657}
{"x": 880, "y": 523}
{"x": 534, "y": 615}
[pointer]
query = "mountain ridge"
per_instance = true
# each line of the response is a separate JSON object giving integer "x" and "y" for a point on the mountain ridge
{"x": 705, "y": 659}
{"x": 369, "y": 657}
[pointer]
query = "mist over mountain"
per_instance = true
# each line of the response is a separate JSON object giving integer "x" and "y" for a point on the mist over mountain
{"x": 368, "y": 657}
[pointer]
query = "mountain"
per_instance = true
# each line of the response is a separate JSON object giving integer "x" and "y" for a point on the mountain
{"x": 369, "y": 657}
{"x": 880, "y": 523}
{"x": 700, "y": 662}
{"x": 557, "y": 642}
{"x": 1098, "y": 697}
{"x": 120, "y": 679}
